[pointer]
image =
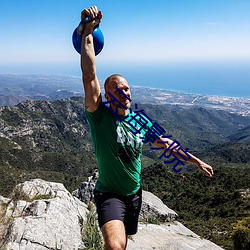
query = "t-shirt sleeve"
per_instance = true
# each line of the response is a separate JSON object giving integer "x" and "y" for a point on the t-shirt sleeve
{"x": 94, "y": 117}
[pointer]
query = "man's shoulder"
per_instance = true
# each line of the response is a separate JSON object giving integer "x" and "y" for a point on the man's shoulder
{"x": 99, "y": 115}
{"x": 100, "y": 110}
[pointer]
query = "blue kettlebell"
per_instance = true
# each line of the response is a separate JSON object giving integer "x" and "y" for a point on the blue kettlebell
{"x": 98, "y": 37}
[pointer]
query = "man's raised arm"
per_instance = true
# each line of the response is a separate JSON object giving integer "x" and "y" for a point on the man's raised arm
{"x": 88, "y": 64}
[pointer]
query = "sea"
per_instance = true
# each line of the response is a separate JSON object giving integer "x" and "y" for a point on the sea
{"x": 225, "y": 78}
{"x": 215, "y": 79}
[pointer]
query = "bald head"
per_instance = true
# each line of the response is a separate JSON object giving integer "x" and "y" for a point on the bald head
{"x": 112, "y": 81}
{"x": 116, "y": 87}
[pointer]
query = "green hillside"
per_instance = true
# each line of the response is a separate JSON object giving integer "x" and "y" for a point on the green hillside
{"x": 208, "y": 206}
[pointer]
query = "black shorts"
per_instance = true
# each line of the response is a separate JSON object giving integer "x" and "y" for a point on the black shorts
{"x": 117, "y": 207}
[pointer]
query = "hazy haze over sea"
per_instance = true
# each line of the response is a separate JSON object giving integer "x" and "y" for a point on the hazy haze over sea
{"x": 219, "y": 79}
{"x": 228, "y": 79}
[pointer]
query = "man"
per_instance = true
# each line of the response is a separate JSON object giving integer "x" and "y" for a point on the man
{"x": 118, "y": 150}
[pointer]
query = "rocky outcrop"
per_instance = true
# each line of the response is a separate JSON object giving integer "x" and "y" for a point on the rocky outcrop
{"x": 43, "y": 215}
{"x": 152, "y": 206}
{"x": 85, "y": 192}
{"x": 168, "y": 236}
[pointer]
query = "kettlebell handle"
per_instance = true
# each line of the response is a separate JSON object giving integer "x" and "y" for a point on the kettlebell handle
{"x": 86, "y": 20}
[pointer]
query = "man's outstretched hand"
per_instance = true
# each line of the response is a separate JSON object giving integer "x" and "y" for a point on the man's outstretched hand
{"x": 206, "y": 169}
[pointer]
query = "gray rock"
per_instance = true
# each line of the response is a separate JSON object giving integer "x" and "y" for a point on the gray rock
{"x": 169, "y": 236}
{"x": 46, "y": 216}
{"x": 152, "y": 206}
{"x": 85, "y": 192}
{"x": 4, "y": 215}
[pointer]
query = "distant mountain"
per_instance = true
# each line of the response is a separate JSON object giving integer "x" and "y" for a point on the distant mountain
{"x": 231, "y": 153}
{"x": 15, "y": 88}
{"x": 236, "y": 150}
{"x": 196, "y": 128}
{"x": 242, "y": 136}
{"x": 49, "y": 139}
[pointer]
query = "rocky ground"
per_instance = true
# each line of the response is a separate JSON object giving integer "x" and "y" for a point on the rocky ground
{"x": 43, "y": 215}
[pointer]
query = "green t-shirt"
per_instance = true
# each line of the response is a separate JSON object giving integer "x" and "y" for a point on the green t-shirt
{"x": 118, "y": 150}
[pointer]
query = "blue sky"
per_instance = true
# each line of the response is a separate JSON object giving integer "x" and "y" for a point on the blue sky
{"x": 35, "y": 35}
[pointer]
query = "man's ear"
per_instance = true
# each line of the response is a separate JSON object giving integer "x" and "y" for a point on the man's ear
{"x": 106, "y": 96}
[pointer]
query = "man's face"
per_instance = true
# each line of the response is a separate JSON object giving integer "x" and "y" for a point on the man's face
{"x": 123, "y": 86}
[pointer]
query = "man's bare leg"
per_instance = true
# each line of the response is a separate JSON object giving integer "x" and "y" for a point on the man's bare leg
{"x": 114, "y": 235}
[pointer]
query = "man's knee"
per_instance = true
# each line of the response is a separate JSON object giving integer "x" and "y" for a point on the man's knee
{"x": 114, "y": 235}
{"x": 115, "y": 245}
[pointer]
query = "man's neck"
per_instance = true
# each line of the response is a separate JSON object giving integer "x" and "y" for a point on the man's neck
{"x": 121, "y": 111}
